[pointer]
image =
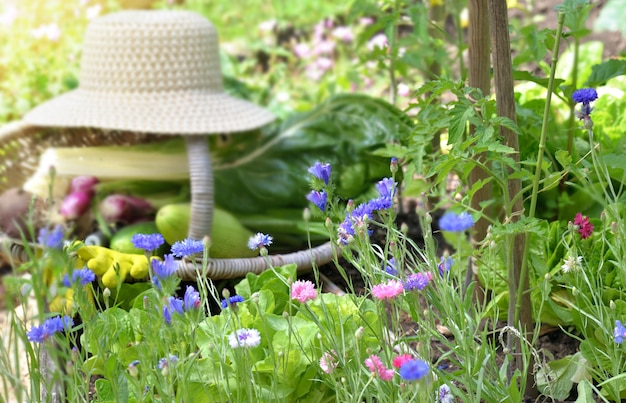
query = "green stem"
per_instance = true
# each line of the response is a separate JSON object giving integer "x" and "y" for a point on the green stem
{"x": 572, "y": 116}
{"x": 546, "y": 116}
{"x": 392, "y": 47}
{"x": 540, "y": 152}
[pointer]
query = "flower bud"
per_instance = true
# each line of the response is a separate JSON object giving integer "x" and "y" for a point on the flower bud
{"x": 350, "y": 206}
{"x": 612, "y": 305}
{"x": 106, "y": 294}
{"x": 393, "y": 166}
{"x": 206, "y": 242}
{"x": 306, "y": 214}
{"x": 226, "y": 293}
{"x": 428, "y": 219}
{"x": 575, "y": 291}
{"x": 359, "y": 333}
{"x": 404, "y": 228}
{"x": 132, "y": 369}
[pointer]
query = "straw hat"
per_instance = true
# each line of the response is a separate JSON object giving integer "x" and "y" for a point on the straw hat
{"x": 151, "y": 71}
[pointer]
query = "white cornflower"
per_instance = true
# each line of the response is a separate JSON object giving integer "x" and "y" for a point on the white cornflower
{"x": 244, "y": 338}
{"x": 572, "y": 263}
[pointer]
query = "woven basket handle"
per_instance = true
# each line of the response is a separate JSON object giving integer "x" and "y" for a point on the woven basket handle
{"x": 201, "y": 179}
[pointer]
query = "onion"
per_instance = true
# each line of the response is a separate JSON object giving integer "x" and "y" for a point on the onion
{"x": 125, "y": 209}
{"x": 75, "y": 204}
{"x": 83, "y": 183}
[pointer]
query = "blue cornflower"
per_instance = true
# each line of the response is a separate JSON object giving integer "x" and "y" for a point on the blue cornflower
{"x": 318, "y": 198}
{"x": 82, "y": 277}
{"x": 386, "y": 187}
{"x": 259, "y": 241}
{"x": 191, "y": 299}
{"x": 445, "y": 265}
{"x": 619, "y": 333}
{"x": 585, "y": 95}
{"x": 321, "y": 172}
{"x": 391, "y": 267}
{"x": 232, "y": 301}
{"x": 456, "y": 222}
{"x": 414, "y": 370}
{"x": 51, "y": 238}
{"x": 187, "y": 247}
{"x": 164, "y": 268}
{"x": 148, "y": 242}
{"x": 416, "y": 281}
{"x": 50, "y": 326}
{"x": 175, "y": 305}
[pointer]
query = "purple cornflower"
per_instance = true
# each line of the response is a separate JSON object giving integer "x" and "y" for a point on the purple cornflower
{"x": 259, "y": 240}
{"x": 321, "y": 171}
{"x": 164, "y": 268}
{"x": 82, "y": 277}
{"x": 381, "y": 203}
{"x": 187, "y": 247}
{"x": 345, "y": 232}
{"x": 416, "y": 281}
{"x": 414, "y": 370}
{"x": 51, "y": 238}
{"x": 232, "y": 301}
{"x": 148, "y": 242}
{"x": 175, "y": 305}
{"x": 318, "y": 198}
{"x": 445, "y": 264}
{"x": 619, "y": 333}
{"x": 390, "y": 268}
{"x": 456, "y": 222}
{"x": 167, "y": 315}
{"x": 50, "y": 326}
{"x": 191, "y": 299}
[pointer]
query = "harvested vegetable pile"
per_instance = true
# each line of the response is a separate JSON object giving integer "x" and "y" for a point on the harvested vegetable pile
{"x": 260, "y": 178}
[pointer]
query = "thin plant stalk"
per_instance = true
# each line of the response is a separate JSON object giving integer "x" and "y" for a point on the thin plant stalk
{"x": 540, "y": 152}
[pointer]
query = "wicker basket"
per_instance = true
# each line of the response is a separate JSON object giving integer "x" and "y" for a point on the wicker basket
{"x": 22, "y": 144}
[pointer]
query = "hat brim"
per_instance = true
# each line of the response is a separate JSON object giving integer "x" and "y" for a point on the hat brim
{"x": 188, "y": 112}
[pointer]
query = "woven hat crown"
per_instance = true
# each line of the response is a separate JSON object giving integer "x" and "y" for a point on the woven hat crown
{"x": 152, "y": 71}
{"x": 135, "y": 51}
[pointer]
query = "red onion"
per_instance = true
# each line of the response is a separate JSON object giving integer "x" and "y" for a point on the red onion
{"x": 75, "y": 204}
{"x": 125, "y": 209}
{"x": 83, "y": 183}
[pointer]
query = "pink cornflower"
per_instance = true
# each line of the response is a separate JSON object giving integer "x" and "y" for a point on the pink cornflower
{"x": 401, "y": 359}
{"x": 388, "y": 290}
{"x": 328, "y": 361}
{"x": 344, "y": 34}
{"x": 303, "y": 290}
{"x": 377, "y": 367}
{"x": 585, "y": 228}
{"x": 404, "y": 90}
